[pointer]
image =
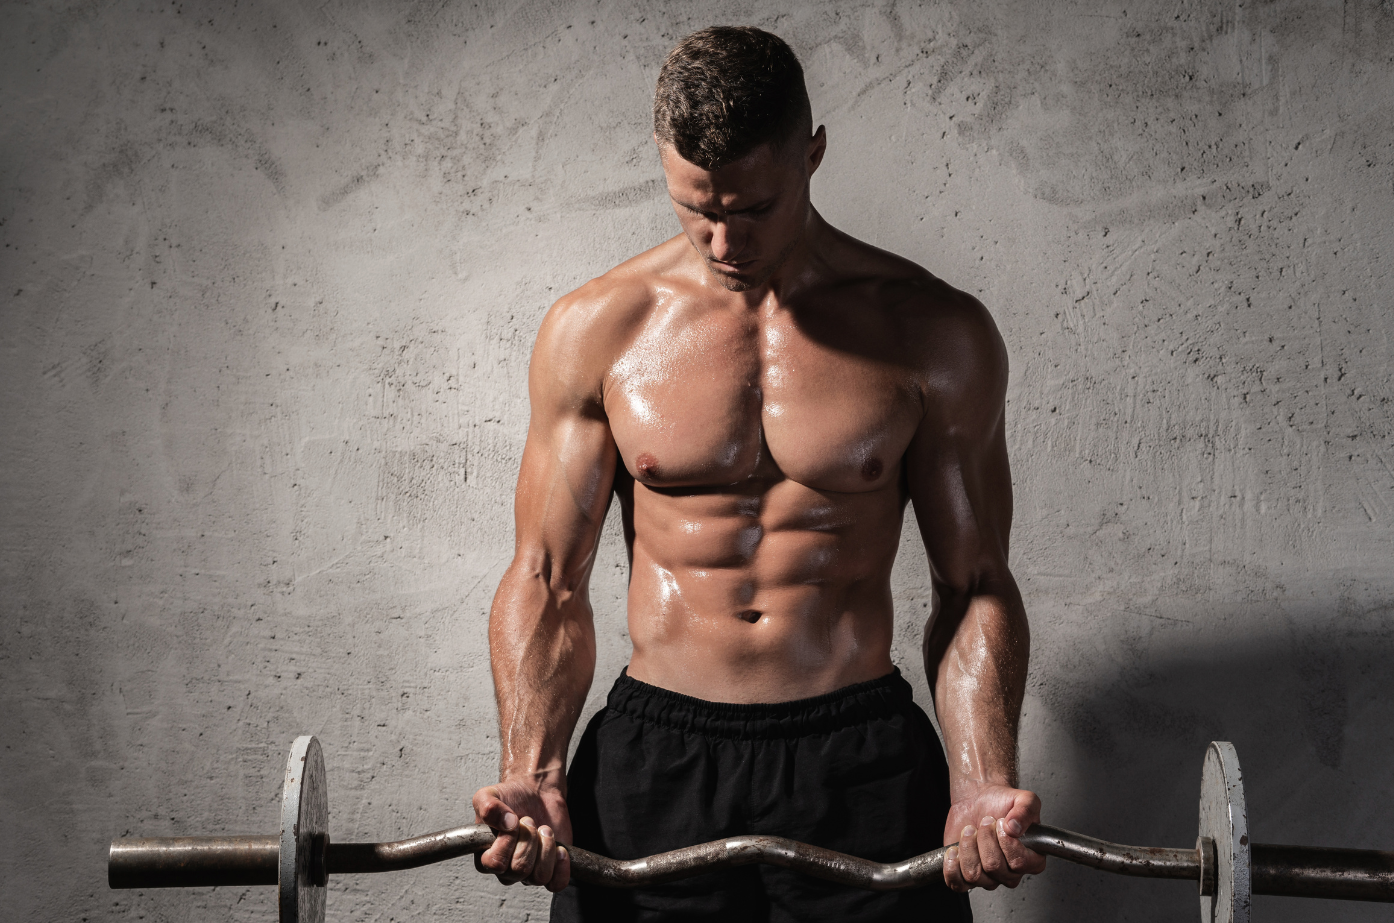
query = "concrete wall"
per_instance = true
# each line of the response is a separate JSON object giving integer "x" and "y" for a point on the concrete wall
{"x": 271, "y": 272}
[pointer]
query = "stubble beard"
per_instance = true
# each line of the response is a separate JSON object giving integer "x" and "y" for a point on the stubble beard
{"x": 732, "y": 284}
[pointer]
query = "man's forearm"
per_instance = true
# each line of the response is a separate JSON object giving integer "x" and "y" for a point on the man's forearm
{"x": 976, "y": 653}
{"x": 542, "y": 651}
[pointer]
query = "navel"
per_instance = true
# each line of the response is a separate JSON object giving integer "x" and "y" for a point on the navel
{"x": 871, "y": 468}
{"x": 647, "y": 465}
{"x": 749, "y": 615}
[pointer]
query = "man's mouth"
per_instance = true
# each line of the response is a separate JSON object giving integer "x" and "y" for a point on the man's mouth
{"x": 732, "y": 266}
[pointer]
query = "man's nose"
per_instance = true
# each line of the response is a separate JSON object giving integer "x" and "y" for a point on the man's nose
{"x": 726, "y": 241}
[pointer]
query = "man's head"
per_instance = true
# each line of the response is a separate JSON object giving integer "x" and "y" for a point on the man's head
{"x": 733, "y": 124}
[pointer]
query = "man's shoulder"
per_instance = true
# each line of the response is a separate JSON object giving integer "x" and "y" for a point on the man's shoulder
{"x": 914, "y": 309}
{"x": 947, "y": 317}
{"x": 957, "y": 347}
{"x": 588, "y": 329}
{"x": 945, "y": 337}
{"x": 610, "y": 307}
{"x": 908, "y": 289}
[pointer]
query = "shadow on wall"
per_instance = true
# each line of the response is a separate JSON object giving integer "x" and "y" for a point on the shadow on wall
{"x": 1306, "y": 697}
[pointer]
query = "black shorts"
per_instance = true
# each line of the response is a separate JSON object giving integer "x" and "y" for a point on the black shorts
{"x": 859, "y": 770}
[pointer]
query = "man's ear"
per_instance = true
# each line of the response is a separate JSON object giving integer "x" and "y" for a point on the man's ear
{"x": 817, "y": 147}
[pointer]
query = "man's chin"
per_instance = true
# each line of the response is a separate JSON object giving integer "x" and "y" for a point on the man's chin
{"x": 737, "y": 282}
{"x": 732, "y": 284}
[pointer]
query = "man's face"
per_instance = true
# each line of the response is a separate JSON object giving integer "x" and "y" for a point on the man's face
{"x": 746, "y": 217}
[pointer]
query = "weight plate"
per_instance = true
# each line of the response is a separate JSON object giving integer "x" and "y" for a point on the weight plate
{"x": 1224, "y": 819}
{"x": 304, "y": 831}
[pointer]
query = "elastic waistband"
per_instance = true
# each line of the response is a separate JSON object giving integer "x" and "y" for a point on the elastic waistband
{"x": 883, "y": 697}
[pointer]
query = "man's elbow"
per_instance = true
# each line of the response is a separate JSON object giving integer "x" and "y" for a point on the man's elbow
{"x": 989, "y": 583}
{"x": 974, "y": 606}
{"x": 536, "y": 572}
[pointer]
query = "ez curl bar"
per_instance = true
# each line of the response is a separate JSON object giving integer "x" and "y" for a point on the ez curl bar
{"x": 299, "y": 860}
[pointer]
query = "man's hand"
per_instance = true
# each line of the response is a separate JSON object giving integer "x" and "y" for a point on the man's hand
{"x": 529, "y": 820}
{"x": 986, "y": 824}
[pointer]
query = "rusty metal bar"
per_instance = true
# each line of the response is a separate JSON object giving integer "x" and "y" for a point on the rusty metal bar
{"x": 1313, "y": 871}
{"x": 586, "y": 866}
{"x": 193, "y": 861}
{"x": 748, "y": 850}
{"x": 185, "y": 862}
{"x": 1139, "y": 861}
{"x": 353, "y": 858}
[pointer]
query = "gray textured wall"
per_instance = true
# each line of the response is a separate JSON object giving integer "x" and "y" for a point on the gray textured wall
{"x": 272, "y": 270}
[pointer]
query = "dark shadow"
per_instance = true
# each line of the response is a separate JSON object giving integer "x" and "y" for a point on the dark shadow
{"x": 1309, "y": 706}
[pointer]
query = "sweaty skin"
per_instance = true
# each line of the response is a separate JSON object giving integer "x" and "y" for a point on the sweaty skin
{"x": 765, "y": 395}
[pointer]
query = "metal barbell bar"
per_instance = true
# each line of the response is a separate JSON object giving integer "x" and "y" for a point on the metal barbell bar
{"x": 1227, "y": 868}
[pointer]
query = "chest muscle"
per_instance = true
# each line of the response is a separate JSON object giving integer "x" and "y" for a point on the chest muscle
{"x": 722, "y": 399}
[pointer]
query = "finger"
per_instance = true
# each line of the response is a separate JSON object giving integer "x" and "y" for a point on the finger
{"x": 970, "y": 863}
{"x": 561, "y": 876}
{"x": 525, "y": 856}
{"x": 989, "y": 852}
{"x": 990, "y": 856}
{"x": 1016, "y": 855}
{"x": 546, "y": 857}
{"x": 953, "y": 871}
{"x": 490, "y": 809}
{"x": 497, "y": 858}
{"x": 1021, "y": 860}
{"x": 1025, "y": 812}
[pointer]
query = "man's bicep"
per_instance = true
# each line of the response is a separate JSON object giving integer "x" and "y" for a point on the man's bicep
{"x": 961, "y": 494}
{"x": 568, "y": 466}
{"x": 564, "y": 485}
{"x": 958, "y": 474}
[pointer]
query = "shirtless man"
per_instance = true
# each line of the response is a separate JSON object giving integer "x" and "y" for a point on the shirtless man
{"x": 764, "y": 394}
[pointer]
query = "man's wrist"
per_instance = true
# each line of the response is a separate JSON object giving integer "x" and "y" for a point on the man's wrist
{"x": 964, "y": 787}
{"x": 544, "y": 777}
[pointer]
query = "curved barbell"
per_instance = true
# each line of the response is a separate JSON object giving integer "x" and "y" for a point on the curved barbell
{"x": 300, "y": 860}
{"x": 255, "y": 860}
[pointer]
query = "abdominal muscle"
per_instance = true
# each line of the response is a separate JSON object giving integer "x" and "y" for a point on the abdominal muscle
{"x": 765, "y": 592}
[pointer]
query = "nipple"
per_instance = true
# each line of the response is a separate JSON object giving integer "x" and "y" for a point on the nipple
{"x": 647, "y": 465}
{"x": 871, "y": 468}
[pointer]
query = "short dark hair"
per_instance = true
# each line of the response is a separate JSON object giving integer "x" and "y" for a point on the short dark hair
{"x": 726, "y": 90}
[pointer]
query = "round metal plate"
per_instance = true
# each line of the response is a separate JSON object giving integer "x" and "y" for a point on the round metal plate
{"x": 1225, "y": 820}
{"x": 304, "y": 827}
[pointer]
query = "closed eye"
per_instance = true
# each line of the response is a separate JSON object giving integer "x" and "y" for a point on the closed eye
{"x": 755, "y": 211}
